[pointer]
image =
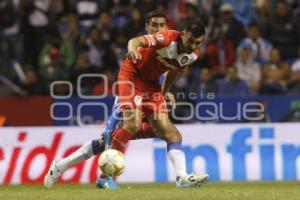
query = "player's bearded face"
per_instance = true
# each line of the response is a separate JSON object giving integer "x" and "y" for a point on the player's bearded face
{"x": 190, "y": 42}
{"x": 156, "y": 24}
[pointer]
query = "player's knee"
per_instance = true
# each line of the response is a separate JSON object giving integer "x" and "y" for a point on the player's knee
{"x": 178, "y": 136}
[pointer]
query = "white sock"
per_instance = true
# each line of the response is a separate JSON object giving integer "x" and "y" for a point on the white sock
{"x": 177, "y": 157}
{"x": 83, "y": 153}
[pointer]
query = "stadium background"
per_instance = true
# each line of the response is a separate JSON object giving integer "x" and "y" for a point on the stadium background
{"x": 45, "y": 41}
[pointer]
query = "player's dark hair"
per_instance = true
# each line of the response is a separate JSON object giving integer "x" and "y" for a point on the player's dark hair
{"x": 154, "y": 13}
{"x": 195, "y": 26}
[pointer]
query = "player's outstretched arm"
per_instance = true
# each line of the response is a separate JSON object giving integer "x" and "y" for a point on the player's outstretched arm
{"x": 167, "y": 84}
{"x": 171, "y": 76}
{"x": 132, "y": 48}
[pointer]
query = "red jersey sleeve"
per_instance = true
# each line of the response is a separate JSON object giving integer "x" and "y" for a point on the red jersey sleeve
{"x": 198, "y": 53}
{"x": 161, "y": 38}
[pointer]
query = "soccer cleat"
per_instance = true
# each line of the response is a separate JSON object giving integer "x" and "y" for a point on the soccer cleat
{"x": 192, "y": 180}
{"x": 52, "y": 175}
{"x": 106, "y": 183}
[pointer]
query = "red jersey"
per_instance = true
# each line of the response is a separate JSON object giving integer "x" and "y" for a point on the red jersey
{"x": 159, "y": 56}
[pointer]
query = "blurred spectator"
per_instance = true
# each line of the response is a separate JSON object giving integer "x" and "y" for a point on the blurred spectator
{"x": 64, "y": 46}
{"x": 69, "y": 31}
{"x": 82, "y": 66}
{"x": 219, "y": 51}
{"x": 68, "y": 28}
{"x": 283, "y": 31}
{"x": 8, "y": 13}
{"x": 294, "y": 81}
{"x": 275, "y": 74}
{"x": 173, "y": 10}
{"x": 12, "y": 71}
{"x": 248, "y": 70}
{"x": 210, "y": 8}
{"x": 119, "y": 47}
{"x": 296, "y": 11}
{"x": 243, "y": 10}
{"x": 145, "y": 6}
{"x": 10, "y": 38}
{"x": 105, "y": 25}
{"x": 260, "y": 47}
{"x": 296, "y": 65}
{"x": 35, "y": 25}
{"x": 56, "y": 10}
{"x": 232, "y": 85}
{"x": 95, "y": 48}
{"x": 136, "y": 24}
{"x": 120, "y": 14}
{"x": 204, "y": 83}
{"x": 231, "y": 27}
{"x": 191, "y": 12}
{"x": 99, "y": 56}
{"x": 54, "y": 70}
{"x": 262, "y": 12}
{"x": 106, "y": 87}
{"x": 55, "y": 62}
{"x": 87, "y": 12}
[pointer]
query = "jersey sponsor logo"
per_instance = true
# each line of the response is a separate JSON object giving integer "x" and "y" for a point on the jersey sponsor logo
{"x": 151, "y": 40}
{"x": 184, "y": 60}
{"x": 160, "y": 37}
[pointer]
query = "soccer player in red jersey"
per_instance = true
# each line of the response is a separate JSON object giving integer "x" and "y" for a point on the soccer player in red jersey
{"x": 150, "y": 56}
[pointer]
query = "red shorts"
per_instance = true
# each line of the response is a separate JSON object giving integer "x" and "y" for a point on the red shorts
{"x": 135, "y": 94}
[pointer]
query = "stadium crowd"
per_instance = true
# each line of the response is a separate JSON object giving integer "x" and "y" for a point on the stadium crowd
{"x": 251, "y": 47}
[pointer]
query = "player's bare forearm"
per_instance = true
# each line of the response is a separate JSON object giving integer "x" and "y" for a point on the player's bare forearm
{"x": 169, "y": 80}
{"x": 133, "y": 46}
{"x": 135, "y": 43}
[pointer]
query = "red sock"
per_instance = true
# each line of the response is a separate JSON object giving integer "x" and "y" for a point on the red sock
{"x": 120, "y": 139}
{"x": 103, "y": 176}
{"x": 145, "y": 132}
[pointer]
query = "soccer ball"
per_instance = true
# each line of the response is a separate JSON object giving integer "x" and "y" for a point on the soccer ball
{"x": 112, "y": 162}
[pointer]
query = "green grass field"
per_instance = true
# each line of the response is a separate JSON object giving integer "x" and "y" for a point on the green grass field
{"x": 226, "y": 191}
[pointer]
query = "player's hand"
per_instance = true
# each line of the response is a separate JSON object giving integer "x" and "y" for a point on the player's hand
{"x": 169, "y": 96}
{"x": 134, "y": 56}
{"x": 181, "y": 69}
